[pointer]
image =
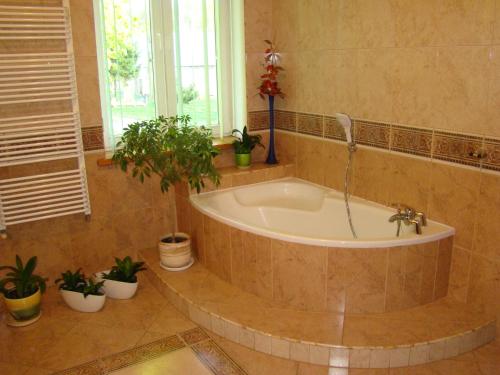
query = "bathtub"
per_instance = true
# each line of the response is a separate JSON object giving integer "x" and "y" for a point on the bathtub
{"x": 289, "y": 241}
{"x": 298, "y": 211}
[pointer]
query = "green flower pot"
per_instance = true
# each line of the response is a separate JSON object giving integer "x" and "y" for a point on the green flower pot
{"x": 243, "y": 160}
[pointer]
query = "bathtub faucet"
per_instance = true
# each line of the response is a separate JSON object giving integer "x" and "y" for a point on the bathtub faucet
{"x": 408, "y": 216}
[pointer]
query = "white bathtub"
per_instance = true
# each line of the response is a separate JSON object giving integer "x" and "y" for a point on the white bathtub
{"x": 298, "y": 211}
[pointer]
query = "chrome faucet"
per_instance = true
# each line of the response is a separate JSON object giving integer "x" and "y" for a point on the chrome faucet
{"x": 409, "y": 216}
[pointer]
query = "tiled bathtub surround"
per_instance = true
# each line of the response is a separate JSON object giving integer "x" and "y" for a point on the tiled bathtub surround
{"x": 424, "y": 334}
{"x": 314, "y": 278}
{"x": 472, "y": 150}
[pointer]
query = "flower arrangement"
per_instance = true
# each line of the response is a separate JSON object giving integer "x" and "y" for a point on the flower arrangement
{"x": 269, "y": 85}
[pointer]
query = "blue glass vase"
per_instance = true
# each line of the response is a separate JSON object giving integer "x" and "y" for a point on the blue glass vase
{"x": 271, "y": 156}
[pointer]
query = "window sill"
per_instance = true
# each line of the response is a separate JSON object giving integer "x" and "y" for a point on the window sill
{"x": 220, "y": 143}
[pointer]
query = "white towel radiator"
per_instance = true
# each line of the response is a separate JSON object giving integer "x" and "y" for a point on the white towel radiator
{"x": 39, "y": 78}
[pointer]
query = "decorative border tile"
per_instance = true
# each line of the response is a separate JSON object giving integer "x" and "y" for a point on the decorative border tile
{"x": 456, "y": 148}
{"x": 372, "y": 134}
{"x": 337, "y": 356}
{"x": 258, "y": 120}
{"x": 194, "y": 336}
{"x": 310, "y": 124}
{"x": 142, "y": 354}
{"x": 425, "y": 142}
{"x": 333, "y": 129}
{"x": 492, "y": 157}
{"x": 215, "y": 359}
{"x": 200, "y": 343}
{"x": 93, "y": 138}
{"x": 285, "y": 120}
{"x": 411, "y": 140}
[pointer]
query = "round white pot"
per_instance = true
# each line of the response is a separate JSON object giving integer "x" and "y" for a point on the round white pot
{"x": 119, "y": 289}
{"x": 177, "y": 254}
{"x": 80, "y": 303}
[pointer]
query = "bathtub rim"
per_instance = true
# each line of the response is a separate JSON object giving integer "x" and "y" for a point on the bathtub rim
{"x": 447, "y": 231}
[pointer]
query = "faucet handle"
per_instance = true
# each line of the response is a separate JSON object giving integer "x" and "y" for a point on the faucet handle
{"x": 422, "y": 217}
{"x": 402, "y": 207}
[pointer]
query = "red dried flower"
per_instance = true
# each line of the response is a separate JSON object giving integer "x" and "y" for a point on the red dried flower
{"x": 269, "y": 85}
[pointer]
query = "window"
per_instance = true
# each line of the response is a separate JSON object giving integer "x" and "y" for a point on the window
{"x": 160, "y": 57}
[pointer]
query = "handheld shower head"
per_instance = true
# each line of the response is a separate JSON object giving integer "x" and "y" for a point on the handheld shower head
{"x": 346, "y": 123}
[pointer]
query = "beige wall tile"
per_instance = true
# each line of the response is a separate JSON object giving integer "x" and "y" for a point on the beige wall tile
{"x": 197, "y": 234}
{"x": 342, "y": 74}
{"x": 88, "y": 91}
{"x": 484, "y": 284}
{"x": 312, "y": 79}
{"x": 310, "y": 159}
{"x": 299, "y": 275}
{"x": 464, "y": 76}
{"x": 487, "y": 237}
{"x": 319, "y": 34}
{"x": 258, "y": 22}
{"x": 217, "y": 237}
{"x": 283, "y": 35}
{"x": 335, "y": 163}
{"x": 251, "y": 263}
{"x": 496, "y": 27}
{"x": 286, "y": 147}
{"x": 454, "y": 193}
{"x": 375, "y": 84}
{"x": 415, "y": 101}
{"x": 356, "y": 280}
{"x": 371, "y": 175}
{"x": 82, "y": 25}
{"x": 443, "y": 267}
{"x": 459, "y": 274}
{"x": 491, "y": 128}
{"x": 409, "y": 181}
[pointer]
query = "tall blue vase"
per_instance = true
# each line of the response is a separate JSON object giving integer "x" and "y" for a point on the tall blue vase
{"x": 271, "y": 156}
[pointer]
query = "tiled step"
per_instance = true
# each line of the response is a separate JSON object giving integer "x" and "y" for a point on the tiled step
{"x": 436, "y": 331}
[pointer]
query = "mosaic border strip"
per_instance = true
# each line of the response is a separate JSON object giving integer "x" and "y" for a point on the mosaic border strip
{"x": 207, "y": 351}
{"x": 93, "y": 138}
{"x": 472, "y": 150}
{"x": 335, "y": 356}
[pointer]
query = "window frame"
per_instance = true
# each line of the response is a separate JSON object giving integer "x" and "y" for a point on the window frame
{"x": 231, "y": 59}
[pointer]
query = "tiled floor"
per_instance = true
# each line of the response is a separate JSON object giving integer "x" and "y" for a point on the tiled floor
{"x": 148, "y": 336}
{"x": 180, "y": 362}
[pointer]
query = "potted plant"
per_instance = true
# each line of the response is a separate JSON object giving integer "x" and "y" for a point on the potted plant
{"x": 80, "y": 293}
{"x": 172, "y": 149}
{"x": 121, "y": 281}
{"x": 243, "y": 146}
{"x": 22, "y": 291}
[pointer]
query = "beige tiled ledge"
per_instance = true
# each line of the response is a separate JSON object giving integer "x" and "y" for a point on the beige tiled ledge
{"x": 433, "y": 332}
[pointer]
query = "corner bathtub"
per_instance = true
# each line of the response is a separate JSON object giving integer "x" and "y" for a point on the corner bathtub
{"x": 289, "y": 240}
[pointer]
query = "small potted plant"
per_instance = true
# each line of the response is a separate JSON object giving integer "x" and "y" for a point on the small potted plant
{"x": 22, "y": 291}
{"x": 176, "y": 151}
{"x": 121, "y": 281}
{"x": 80, "y": 293}
{"x": 243, "y": 146}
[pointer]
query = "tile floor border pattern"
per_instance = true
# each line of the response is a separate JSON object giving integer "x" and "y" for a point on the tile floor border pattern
{"x": 454, "y": 147}
{"x": 336, "y": 356}
{"x": 207, "y": 351}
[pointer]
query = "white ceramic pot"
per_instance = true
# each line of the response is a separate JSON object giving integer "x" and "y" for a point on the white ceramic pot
{"x": 175, "y": 255}
{"x": 80, "y": 303}
{"x": 117, "y": 289}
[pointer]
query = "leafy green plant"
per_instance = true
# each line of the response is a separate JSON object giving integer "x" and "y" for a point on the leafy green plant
{"x": 245, "y": 143}
{"x": 189, "y": 94}
{"x": 170, "y": 148}
{"x": 23, "y": 283}
{"x": 77, "y": 282}
{"x": 125, "y": 270}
